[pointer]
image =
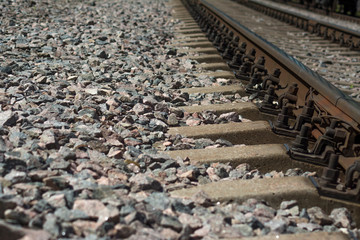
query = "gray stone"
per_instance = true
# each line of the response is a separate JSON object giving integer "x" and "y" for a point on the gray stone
{"x": 288, "y": 204}
{"x": 7, "y": 202}
{"x": 122, "y": 231}
{"x": 95, "y": 209}
{"x": 317, "y": 215}
{"x": 158, "y": 125}
{"x": 309, "y": 226}
{"x": 223, "y": 142}
{"x": 180, "y": 207}
{"x": 89, "y": 130}
{"x": 171, "y": 222}
{"x": 3, "y": 146}
{"x": 7, "y": 118}
{"x": 142, "y": 182}
{"x": 294, "y": 211}
{"x": 172, "y": 120}
{"x": 135, "y": 216}
{"x": 48, "y": 139}
{"x": 55, "y": 200}
{"x": 228, "y": 117}
{"x": 292, "y": 229}
{"x": 17, "y": 138}
{"x": 202, "y": 199}
{"x": 140, "y": 109}
{"x": 304, "y": 214}
{"x": 51, "y": 225}
{"x": 341, "y": 218}
{"x": 293, "y": 172}
{"x": 56, "y": 182}
{"x": 203, "y": 142}
{"x": 244, "y": 229}
{"x": 149, "y": 100}
{"x": 127, "y": 209}
{"x": 33, "y": 132}
{"x": 16, "y": 177}
{"x": 66, "y": 215}
{"x": 89, "y": 112}
{"x": 221, "y": 172}
{"x": 102, "y": 54}
{"x": 15, "y": 216}
{"x": 276, "y": 225}
{"x": 59, "y": 165}
{"x": 169, "y": 164}
{"x": 264, "y": 210}
{"x": 67, "y": 153}
{"x": 157, "y": 201}
{"x": 330, "y": 228}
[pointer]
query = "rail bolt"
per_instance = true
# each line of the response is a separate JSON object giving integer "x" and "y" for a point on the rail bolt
{"x": 300, "y": 144}
{"x": 330, "y": 173}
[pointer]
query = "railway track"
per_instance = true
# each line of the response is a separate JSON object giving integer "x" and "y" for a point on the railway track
{"x": 337, "y": 64}
{"x": 323, "y": 11}
{"x": 120, "y": 119}
{"x": 298, "y": 119}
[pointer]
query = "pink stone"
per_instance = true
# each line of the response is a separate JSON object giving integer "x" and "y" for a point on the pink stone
{"x": 95, "y": 209}
{"x": 83, "y": 227}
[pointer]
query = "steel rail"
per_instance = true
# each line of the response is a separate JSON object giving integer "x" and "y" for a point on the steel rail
{"x": 325, "y": 29}
{"x": 333, "y": 100}
{"x": 331, "y": 13}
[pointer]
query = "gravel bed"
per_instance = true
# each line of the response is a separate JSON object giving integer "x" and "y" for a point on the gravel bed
{"x": 88, "y": 91}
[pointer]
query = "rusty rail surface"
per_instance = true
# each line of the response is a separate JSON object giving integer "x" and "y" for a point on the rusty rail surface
{"x": 323, "y": 122}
